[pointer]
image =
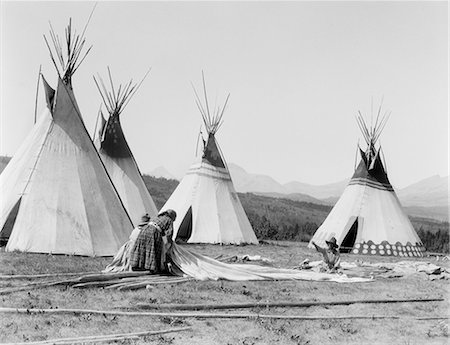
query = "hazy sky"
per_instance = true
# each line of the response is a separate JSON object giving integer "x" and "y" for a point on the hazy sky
{"x": 298, "y": 72}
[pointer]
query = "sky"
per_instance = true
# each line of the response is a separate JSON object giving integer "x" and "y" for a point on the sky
{"x": 297, "y": 72}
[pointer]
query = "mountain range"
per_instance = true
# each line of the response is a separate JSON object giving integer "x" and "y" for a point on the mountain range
{"x": 427, "y": 198}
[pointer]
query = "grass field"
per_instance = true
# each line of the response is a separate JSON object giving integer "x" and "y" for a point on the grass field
{"x": 27, "y": 327}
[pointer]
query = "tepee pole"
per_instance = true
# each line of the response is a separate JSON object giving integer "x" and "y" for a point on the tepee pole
{"x": 378, "y": 115}
{"x": 96, "y": 123}
{"x": 356, "y": 155}
{"x": 384, "y": 160}
{"x": 135, "y": 89}
{"x": 89, "y": 19}
{"x": 37, "y": 93}
{"x": 371, "y": 117}
{"x": 198, "y": 139}
{"x": 206, "y": 102}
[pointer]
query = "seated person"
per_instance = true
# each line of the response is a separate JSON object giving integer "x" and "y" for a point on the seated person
{"x": 331, "y": 256}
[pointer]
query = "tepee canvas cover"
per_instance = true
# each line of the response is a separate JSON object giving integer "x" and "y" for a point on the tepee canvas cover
{"x": 368, "y": 218}
{"x": 57, "y": 184}
{"x": 117, "y": 156}
{"x": 207, "y": 205}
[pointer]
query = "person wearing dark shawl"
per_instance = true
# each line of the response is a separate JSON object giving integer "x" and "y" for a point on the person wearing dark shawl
{"x": 151, "y": 245}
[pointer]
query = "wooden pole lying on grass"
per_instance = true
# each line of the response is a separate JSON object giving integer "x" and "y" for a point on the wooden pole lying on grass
{"x": 130, "y": 285}
{"x": 110, "y": 276}
{"x": 279, "y": 304}
{"x": 107, "y": 283}
{"x": 144, "y": 284}
{"x": 104, "y": 338}
{"x": 34, "y": 276}
{"x": 212, "y": 315}
{"x": 37, "y": 286}
{"x": 108, "y": 280}
{"x": 33, "y": 284}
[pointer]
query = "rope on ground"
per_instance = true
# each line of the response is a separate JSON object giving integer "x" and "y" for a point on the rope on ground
{"x": 213, "y": 315}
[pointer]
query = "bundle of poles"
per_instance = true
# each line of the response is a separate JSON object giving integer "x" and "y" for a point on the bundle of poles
{"x": 122, "y": 281}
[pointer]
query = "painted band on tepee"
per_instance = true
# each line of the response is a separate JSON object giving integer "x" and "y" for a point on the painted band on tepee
{"x": 368, "y": 218}
{"x": 208, "y": 207}
{"x": 115, "y": 152}
{"x": 58, "y": 197}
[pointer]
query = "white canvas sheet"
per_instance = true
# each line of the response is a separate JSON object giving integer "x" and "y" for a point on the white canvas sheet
{"x": 204, "y": 268}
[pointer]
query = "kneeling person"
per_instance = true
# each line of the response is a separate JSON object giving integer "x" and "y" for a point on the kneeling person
{"x": 149, "y": 251}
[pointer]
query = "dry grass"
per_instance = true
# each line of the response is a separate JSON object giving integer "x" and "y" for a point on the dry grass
{"x": 15, "y": 327}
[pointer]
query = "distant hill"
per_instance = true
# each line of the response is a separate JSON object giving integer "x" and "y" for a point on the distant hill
{"x": 440, "y": 213}
{"x": 432, "y": 191}
{"x": 426, "y": 199}
{"x": 162, "y": 172}
{"x": 245, "y": 182}
{"x": 281, "y": 217}
{"x": 296, "y": 197}
{"x": 331, "y": 190}
{"x": 285, "y": 219}
{"x": 160, "y": 188}
{"x": 253, "y": 183}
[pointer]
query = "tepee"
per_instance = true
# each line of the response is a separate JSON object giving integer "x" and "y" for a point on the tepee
{"x": 207, "y": 205}
{"x": 368, "y": 218}
{"x": 56, "y": 194}
{"x": 116, "y": 154}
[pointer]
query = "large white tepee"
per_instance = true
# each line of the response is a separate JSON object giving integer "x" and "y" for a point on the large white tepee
{"x": 116, "y": 154}
{"x": 56, "y": 196}
{"x": 207, "y": 205}
{"x": 368, "y": 218}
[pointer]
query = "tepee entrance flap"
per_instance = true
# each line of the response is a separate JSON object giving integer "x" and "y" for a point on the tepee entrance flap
{"x": 185, "y": 229}
{"x": 351, "y": 234}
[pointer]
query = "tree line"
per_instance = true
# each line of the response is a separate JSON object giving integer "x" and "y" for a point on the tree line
{"x": 285, "y": 219}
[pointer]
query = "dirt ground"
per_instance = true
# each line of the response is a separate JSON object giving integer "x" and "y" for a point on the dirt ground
{"x": 407, "y": 330}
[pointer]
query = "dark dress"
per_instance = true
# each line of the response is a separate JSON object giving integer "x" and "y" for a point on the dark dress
{"x": 147, "y": 252}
